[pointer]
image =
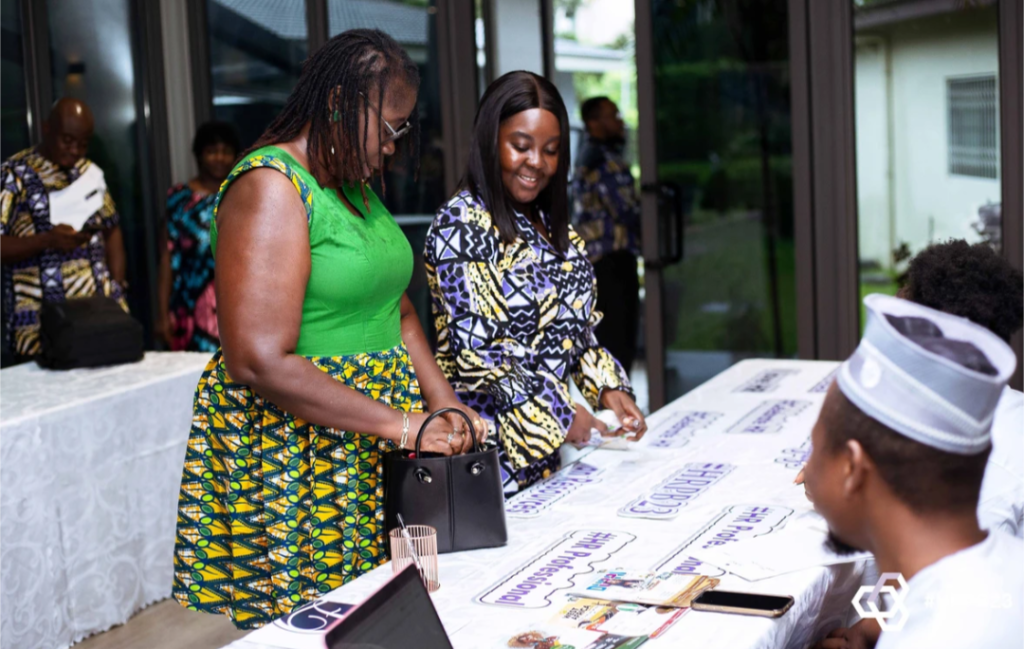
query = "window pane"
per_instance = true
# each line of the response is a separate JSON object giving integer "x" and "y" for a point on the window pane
{"x": 256, "y": 52}
{"x": 724, "y": 135}
{"x": 93, "y": 60}
{"x": 927, "y": 128}
{"x": 14, "y": 125}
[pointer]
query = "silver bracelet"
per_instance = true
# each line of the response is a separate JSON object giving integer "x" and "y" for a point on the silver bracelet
{"x": 405, "y": 430}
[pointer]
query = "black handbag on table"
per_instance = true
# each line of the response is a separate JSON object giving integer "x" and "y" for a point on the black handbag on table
{"x": 459, "y": 496}
{"x": 87, "y": 332}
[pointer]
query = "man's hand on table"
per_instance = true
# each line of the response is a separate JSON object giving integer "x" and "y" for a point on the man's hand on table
{"x": 799, "y": 479}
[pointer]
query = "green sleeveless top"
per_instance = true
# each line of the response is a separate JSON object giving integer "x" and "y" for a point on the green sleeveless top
{"x": 360, "y": 264}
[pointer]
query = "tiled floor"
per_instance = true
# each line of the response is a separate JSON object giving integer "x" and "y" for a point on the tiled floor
{"x": 167, "y": 625}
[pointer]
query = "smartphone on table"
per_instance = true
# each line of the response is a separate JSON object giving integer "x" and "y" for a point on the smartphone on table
{"x": 724, "y": 601}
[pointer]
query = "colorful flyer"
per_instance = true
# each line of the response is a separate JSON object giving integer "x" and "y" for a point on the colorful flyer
{"x": 654, "y": 589}
{"x": 559, "y": 637}
{"x": 617, "y": 618}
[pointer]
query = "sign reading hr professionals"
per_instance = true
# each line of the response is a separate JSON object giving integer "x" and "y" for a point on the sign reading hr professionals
{"x": 769, "y": 416}
{"x": 678, "y": 433}
{"x": 766, "y": 380}
{"x": 733, "y": 524}
{"x": 665, "y": 500}
{"x": 543, "y": 495}
{"x": 532, "y": 584}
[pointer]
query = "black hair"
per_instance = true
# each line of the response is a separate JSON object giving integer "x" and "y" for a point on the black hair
{"x": 589, "y": 108}
{"x": 355, "y": 67}
{"x": 924, "y": 478}
{"x": 510, "y": 94}
{"x": 212, "y": 133}
{"x": 970, "y": 281}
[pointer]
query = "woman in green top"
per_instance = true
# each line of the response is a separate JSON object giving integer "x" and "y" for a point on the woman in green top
{"x": 281, "y": 498}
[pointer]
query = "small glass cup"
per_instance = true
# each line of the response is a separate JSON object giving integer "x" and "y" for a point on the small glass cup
{"x": 424, "y": 540}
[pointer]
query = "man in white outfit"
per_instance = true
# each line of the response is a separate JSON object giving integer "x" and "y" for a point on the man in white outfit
{"x": 973, "y": 282}
{"x": 899, "y": 453}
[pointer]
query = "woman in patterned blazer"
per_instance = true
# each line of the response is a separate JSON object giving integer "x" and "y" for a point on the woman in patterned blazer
{"x": 513, "y": 292}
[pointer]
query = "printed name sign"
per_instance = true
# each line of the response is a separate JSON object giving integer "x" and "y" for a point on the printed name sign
{"x": 734, "y": 523}
{"x": 769, "y": 416}
{"x": 822, "y": 386}
{"x": 543, "y": 495}
{"x": 766, "y": 381}
{"x": 795, "y": 458}
{"x": 667, "y": 498}
{"x": 678, "y": 433}
{"x": 532, "y": 584}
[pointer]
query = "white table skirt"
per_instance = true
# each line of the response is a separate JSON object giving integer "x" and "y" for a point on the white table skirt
{"x": 727, "y": 420}
{"x": 90, "y": 466}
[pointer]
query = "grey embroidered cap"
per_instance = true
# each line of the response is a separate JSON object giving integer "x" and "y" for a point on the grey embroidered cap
{"x": 933, "y": 377}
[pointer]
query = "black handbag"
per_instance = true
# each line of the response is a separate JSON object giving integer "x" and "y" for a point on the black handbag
{"x": 87, "y": 332}
{"x": 459, "y": 496}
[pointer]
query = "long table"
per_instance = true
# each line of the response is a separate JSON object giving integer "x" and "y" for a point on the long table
{"x": 755, "y": 418}
{"x": 88, "y": 494}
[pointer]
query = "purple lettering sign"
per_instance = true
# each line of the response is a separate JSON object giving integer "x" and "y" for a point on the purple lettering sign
{"x": 769, "y": 416}
{"x": 543, "y": 495}
{"x": 766, "y": 380}
{"x": 795, "y": 458}
{"x": 532, "y": 584}
{"x": 671, "y": 495}
{"x": 822, "y": 386}
{"x": 734, "y": 523}
{"x": 678, "y": 433}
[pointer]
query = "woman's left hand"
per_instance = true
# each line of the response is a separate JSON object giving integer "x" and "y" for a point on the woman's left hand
{"x": 462, "y": 442}
{"x": 632, "y": 420}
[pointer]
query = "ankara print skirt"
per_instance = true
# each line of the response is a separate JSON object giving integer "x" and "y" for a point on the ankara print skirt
{"x": 273, "y": 511}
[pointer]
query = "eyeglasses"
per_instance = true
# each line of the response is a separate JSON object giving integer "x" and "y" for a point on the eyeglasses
{"x": 394, "y": 133}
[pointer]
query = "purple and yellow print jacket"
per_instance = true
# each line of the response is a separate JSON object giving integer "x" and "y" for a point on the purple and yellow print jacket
{"x": 515, "y": 323}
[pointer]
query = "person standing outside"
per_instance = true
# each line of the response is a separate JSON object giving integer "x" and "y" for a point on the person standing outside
{"x": 60, "y": 232}
{"x": 606, "y": 213}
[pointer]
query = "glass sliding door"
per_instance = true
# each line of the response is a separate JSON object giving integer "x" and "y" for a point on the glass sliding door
{"x": 721, "y": 135}
{"x": 14, "y": 134}
{"x": 256, "y": 52}
{"x": 927, "y": 133}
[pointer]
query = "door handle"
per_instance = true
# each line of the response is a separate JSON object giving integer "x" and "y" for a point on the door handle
{"x": 670, "y": 223}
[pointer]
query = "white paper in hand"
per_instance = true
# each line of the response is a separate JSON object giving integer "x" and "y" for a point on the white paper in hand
{"x": 800, "y": 545}
{"x": 76, "y": 203}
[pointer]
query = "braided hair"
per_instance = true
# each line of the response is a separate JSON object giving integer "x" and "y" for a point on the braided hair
{"x": 351, "y": 69}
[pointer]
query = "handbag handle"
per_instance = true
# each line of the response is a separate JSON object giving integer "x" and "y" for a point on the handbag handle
{"x": 437, "y": 413}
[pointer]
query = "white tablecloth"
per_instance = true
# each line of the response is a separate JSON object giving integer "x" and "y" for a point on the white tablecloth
{"x": 90, "y": 466}
{"x": 756, "y": 417}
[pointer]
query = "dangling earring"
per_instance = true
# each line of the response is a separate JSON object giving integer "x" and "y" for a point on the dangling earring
{"x": 336, "y": 116}
{"x": 332, "y": 149}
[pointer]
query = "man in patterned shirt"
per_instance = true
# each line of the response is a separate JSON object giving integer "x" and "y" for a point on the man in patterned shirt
{"x": 606, "y": 213}
{"x": 44, "y": 257}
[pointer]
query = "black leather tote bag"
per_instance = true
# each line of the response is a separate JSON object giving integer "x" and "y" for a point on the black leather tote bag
{"x": 459, "y": 496}
{"x": 87, "y": 332}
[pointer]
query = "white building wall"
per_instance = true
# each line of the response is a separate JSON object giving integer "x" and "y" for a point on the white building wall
{"x": 930, "y": 204}
{"x": 872, "y": 118}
